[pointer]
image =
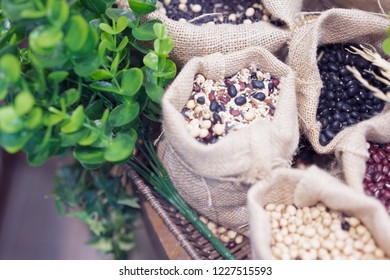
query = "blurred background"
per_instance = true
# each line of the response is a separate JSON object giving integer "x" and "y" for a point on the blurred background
{"x": 30, "y": 227}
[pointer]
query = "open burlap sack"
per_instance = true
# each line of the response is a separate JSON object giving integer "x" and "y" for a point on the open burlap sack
{"x": 214, "y": 179}
{"x": 307, "y": 188}
{"x": 332, "y": 26}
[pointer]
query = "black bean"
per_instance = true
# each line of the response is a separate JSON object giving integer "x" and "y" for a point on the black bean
{"x": 240, "y": 100}
{"x": 216, "y": 117}
{"x": 221, "y": 108}
{"x": 324, "y": 122}
{"x": 335, "y": 125}
{"x": 323, "y": 139}
{"x": 334, "y": 79}
{"x": 325, "y": 112}
{"x": 333, "y": 67}
{"x": 257, "y": 84}
{"x": 343, "y": 100}
{"x": 355, "y": 115}
{"x": 346, "y": 108}
{"x": 329, "y": 133}
{"x": 351, "y": 121}
{"x": 201, "y": 100}
{"x": 259, "y": 96}
{"x": 271, "y": 87}
{"x": 232, "y": 91}
{"x": 345, "y": 225}
{"x": 213, "y": 106}
{"x": 352, "y": 90}
{"x": 338, "y": 116}
{"x": 340, "y": 56}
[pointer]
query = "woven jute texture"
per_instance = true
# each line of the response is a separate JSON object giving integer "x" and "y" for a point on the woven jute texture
{"x": 193, "y": 41}
{"x": 307, "y": 188}
{"x": 214, "y": 179}
{"x": 332, "y": 26}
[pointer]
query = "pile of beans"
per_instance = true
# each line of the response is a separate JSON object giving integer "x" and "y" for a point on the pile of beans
{"x": 233, "y": 11}
{"x": 344, "y": 101}
{"x": 229, "y": 237}
{"x": 377, "y": 179}
{"x": 214, "y": 108}
{"x": 319, "y": 233}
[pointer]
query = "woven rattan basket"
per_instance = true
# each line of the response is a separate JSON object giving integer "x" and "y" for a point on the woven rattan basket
{"x": 197, "y": 247}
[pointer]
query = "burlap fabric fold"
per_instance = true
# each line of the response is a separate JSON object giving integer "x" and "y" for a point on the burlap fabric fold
{"x": 214, "y": 178}
{"x": 307, "y": 188}
{"x": 332, "y": 26}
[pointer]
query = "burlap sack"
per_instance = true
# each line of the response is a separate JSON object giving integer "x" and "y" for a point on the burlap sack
{"x": 214, "y": 179}
{"x": 307, "y": 188}
{"x": 332, "y": 26}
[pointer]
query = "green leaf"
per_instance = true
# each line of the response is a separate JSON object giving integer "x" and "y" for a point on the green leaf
{"x": 94, "y": 225}
{"x": 89, "y": 155}
{"x": 121, "y": 24}
{"x": 163, "y": 46}
{"x": 43, "y": 152}
{"x": 122, "y": 44}
{"x": 87, "y": 66}
{"x": 115, "y": 64}
{"x": 102, "y": 244}
{"x": 154, "y": 92}
{"x": 57, "y": 76}
{"x": 53, "y": 119}
{"x": 132, "y": 80}
{"x": 101, "y": 74}
{"x": 105, "y": 86}
{"x": 14, "y": 142}
{"x": 34, "y": 119}
{"x": 71, "y": 139}
{"x": 115, "y": 14}
{"x": 71, "y": 96}
{"x": 386, "y": 46}
{"x": 126, "y": 246}
{"x": 90, "y": 138}
{"x": 9, "y": 120}
{"x": 95, "y": 110}
{"x": 24, "y": 102}
{"x": 9, "y": 68}
{"x": 77, "y": 33}
{"x": 142, "y": 7}
{"x": 44, "y": 38}
{"x": 121, "y": 147}
{"x": 160, "y": 30}
{"x": 57, "y": 12}
{"x": 123, "y": 114}
{"x": 91, "y": 44}
{"x": 97, "y": 6}
{"x": 75, "y": 122}
{"x": 145, "y": 32}
{"x": 106, "y": 28}
{"x": 131, "y": 202}
{"x": 151, "y": 61}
